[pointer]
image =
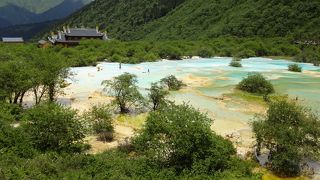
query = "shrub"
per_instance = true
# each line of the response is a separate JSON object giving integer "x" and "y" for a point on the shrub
{"x": 53, "y": 127}
{"x": 246, "y": 53}
{"x": 15, "y": 140}
{"x": 291, "y": 133}
{"x": 170, "y": 52}
{"x": 235, "y": 64}
{"x": 205, "y": 53}
{"x": 294, "y": 68}
{"x": 256, "y": 83}
{"x": 150, "y": 57}
{"x": 117, "y": 58}
{"x": 180, "y": 137}
{"x": 172, "y": 83}
{"x": 100, "y": 119}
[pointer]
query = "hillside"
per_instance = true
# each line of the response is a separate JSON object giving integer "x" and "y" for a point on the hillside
{"x": 36, "y": 6}
{"x": 33, "y": 11}
{"x": 4, "y": 23}
{"x": 26, "y": 31}
{"x": 202, "y": 19}
{"x": 16, "y": 15}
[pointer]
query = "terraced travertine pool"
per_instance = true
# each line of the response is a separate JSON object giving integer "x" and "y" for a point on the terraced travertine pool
{"x": 208, "y": 80}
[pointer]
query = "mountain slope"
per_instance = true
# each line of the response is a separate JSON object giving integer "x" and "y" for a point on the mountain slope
{"x": 4, "y": 23}
{"x": 26, "y": 31}
{"x": 26, "y": 12}
{"x": 61, "y": 11}
{"x": 36, "y": 6}
{"x": 202, "y": 19}
{"x": 16, "y": 15}
{"x": 122, "y": 18}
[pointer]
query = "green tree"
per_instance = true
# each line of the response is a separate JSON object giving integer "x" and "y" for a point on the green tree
{"x": 256, "y": 83}
{"x": 53, "y": 127}
{"x": 157, "y": 95}
{"x": 125, "y": 90}
{"x": 172, "y": 83}
{"x": 294, "y": 68}
{"x": 180, "y": 137}
{"x": 100, "y": 119}
{"x": 291, "y": 133}
{"x": 50, "y": 72}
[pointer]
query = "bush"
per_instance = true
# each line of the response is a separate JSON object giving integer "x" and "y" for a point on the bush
{"x": 150, "y": 57}
{"x": 170, "y": 52}
{"x": 172, "y": 83}
{"x": 180, "y": 137}
{"x": 53, "y": 127}
{"x": 205, "y": 53}
{"x": 235, "y": 64}
{"x": 291, "y": 134}
{"x": 100, "y": 119}
{"x": 294, "y": 68}
{"x": 15, "y": 141}
{"x": 117, "y": 58}
{"x": 256, "y": 83}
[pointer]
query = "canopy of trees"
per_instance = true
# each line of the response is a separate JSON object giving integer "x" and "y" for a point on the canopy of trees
{"x": 26, "y": 69}
{"x": 291, "y": 133}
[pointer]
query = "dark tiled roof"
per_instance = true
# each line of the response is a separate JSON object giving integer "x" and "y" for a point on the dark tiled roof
{"x": 12, "y": 39}
{"x": 84, "y": 33}
{"x": 63, "y": 40}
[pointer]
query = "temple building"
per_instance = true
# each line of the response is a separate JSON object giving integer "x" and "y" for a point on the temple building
{"x": 73, "y": 36}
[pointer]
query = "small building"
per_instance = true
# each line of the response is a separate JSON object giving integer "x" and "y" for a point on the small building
{"x": 73, "y": 36}
{"x": 43, "y": 44}
{"x": 12, "y": 40}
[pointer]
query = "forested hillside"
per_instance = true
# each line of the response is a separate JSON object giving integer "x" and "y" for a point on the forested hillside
{"x": 202, "y": 19}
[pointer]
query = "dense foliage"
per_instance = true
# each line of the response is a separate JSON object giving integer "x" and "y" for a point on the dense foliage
{"x": 157, "y": 95}
{"x": 291, "y": 134}
{"x": 256, "y": 83}
{"x": 47, "y": 147}
{"x": 90, "y": 52}
{"x": 194, "y": 19}
{"x": 172, "y": 83}
{"x": 100, "y": 120}
{"x": 234, "y": 63}
{"x": 294, "y": 68}
{"x": 53, "y": 127}
{"x": 180, "y": 137}
{"x": 26, "y": 69}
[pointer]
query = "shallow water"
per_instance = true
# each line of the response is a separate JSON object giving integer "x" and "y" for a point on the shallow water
{"x": 209, "y": 78}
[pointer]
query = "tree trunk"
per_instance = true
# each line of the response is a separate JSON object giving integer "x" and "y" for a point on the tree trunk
{"x": 21, "y": 98}
{"x": 51, "y": 92}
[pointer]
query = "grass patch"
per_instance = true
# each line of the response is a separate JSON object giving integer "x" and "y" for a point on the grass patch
{"x": 270, "y": 176}
{"x": 238, "y": 94}
{"x": 134, "y": 121}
